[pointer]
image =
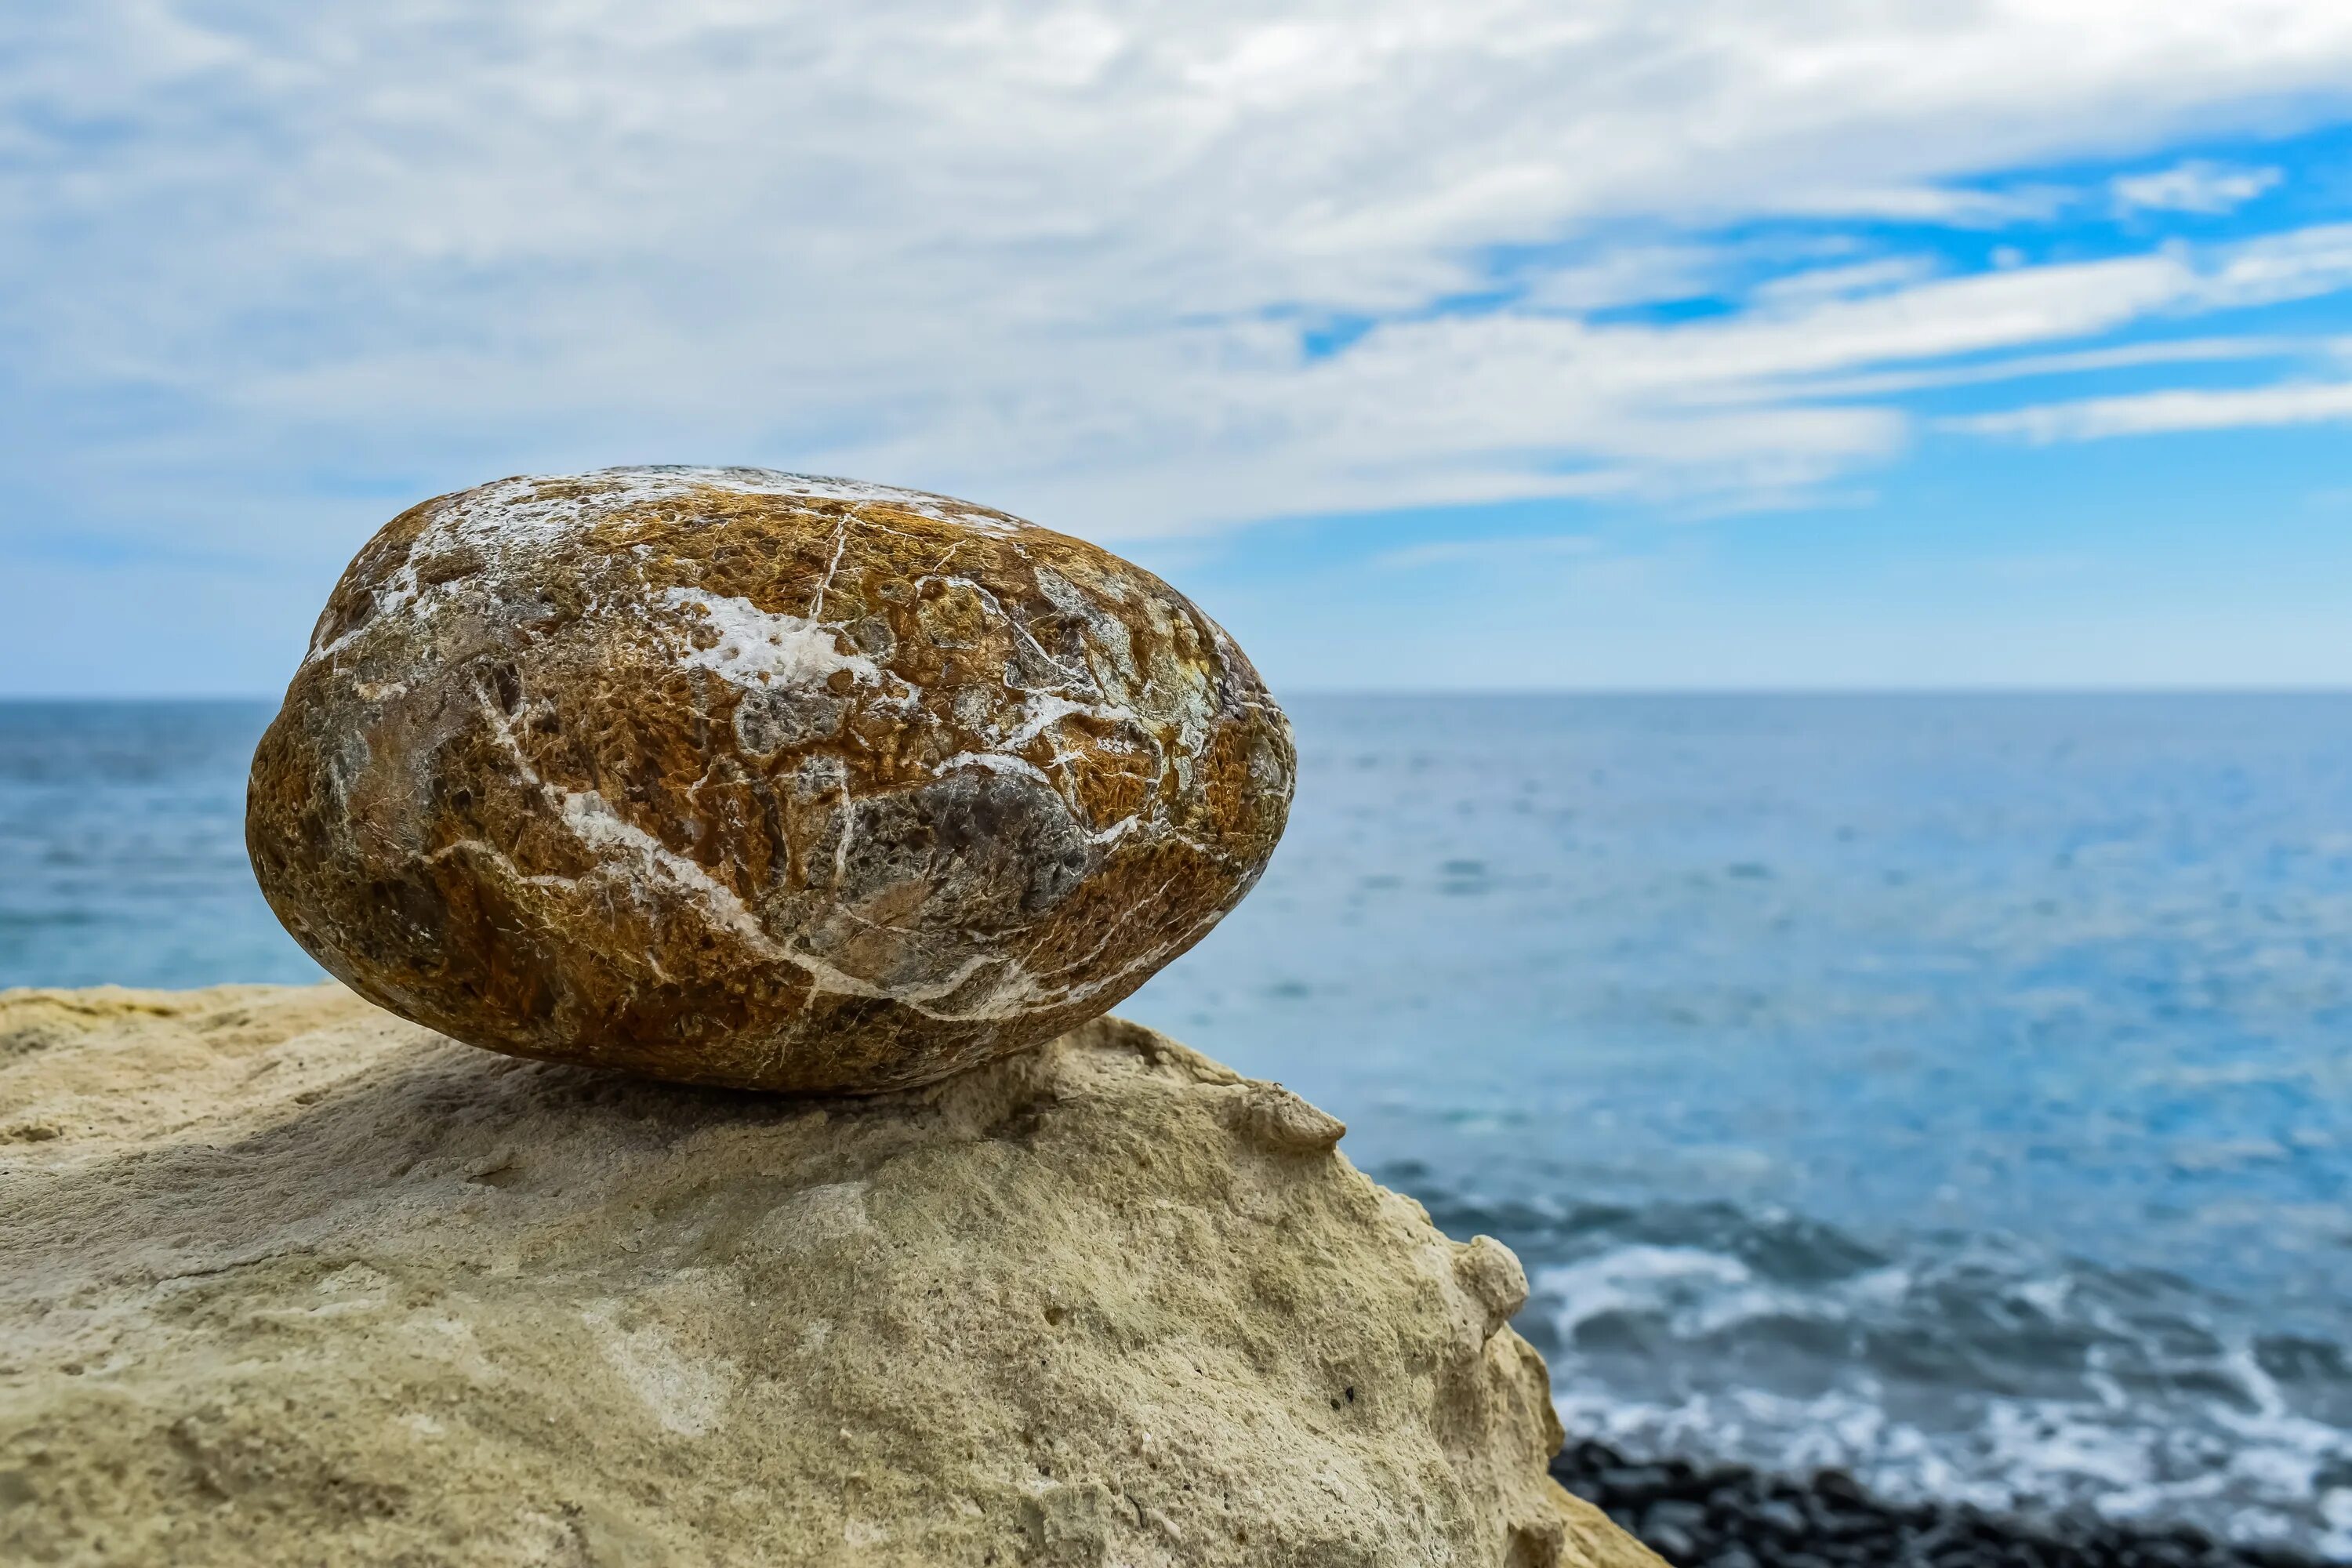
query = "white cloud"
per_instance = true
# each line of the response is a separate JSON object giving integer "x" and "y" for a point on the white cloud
{"x": 1053, "y": 256}
{"x": 1632, "y": 275}
{"x": 2196, "y": 186}
{"x": 1838, "y": 282}
{"x": 2297, "y": 264}
{"x": 2162, "y": 413}
{"x": 2023, "y": 367}
{"x": 1500, "y": 551}
{"x": 1957, "y": 207}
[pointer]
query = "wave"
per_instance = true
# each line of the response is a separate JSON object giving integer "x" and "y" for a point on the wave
{"x": 1945, "y": 1368}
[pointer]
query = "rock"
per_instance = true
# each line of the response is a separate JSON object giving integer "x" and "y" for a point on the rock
{"x": 1491, "y": 1273}
{"x": 746, "y": 778}
{"x": 1728, "y": 1516}
{"x": 297, "y": 1282}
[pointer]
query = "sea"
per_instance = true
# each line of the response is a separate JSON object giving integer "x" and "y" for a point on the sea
{"x": 1955, "y": 1090}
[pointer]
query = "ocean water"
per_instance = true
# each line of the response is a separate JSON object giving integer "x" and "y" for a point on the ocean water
{"x": 1952, "y": 1090}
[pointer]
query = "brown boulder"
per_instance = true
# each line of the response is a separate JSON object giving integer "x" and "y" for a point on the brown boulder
{"x": 747, "y": 778}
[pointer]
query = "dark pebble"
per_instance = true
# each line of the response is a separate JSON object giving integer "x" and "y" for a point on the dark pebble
{"x": 1731, "y": 1517}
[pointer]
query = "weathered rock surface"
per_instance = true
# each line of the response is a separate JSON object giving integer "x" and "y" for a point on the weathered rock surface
{"x": 292, "y": 1281}
{"x": 1728, "y": 1516}
{"x": 737, "y": 777}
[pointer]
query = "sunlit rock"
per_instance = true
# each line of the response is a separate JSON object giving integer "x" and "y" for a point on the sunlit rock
{"x": 290, "y": 1280}
{"x": 750, "y": 778}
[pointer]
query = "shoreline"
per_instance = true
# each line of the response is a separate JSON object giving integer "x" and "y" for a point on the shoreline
{"x": 1731, "y": 1516}
{"x": 1695, "y": 1514}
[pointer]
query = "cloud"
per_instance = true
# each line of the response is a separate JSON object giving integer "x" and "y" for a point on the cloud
{"x": 1957, "y": 208}
{"x": 1053, "y": 256}
{"x": 2298, "y": 265}
{"x": 2023, "y": 367}
{"x": 2196, "y": 186}
{"x": 2164, "y": 413}
{"x": 1639, "y": 274}
{"x": 1503, "y": 551}
{"x": 1876, "y": 277}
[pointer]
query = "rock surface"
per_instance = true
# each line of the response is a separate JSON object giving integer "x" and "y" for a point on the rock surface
{"x": 293, "y": 1281}
{"x": 737, "y": 777}
{"x": 1728, "y": 1516}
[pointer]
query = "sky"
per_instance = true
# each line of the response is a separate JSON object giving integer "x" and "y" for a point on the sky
{"x": 1591, "y": 345}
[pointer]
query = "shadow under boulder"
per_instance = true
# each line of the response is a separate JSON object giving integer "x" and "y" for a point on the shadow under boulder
{"x": 292, "y": 1281}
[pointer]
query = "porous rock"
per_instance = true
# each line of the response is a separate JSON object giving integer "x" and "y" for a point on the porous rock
{"x": 738, "y": 777}
{"x": 293, "y": 1281}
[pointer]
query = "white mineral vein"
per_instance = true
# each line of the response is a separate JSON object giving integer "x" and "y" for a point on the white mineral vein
{"x": 756, "y": 648}
{"x": 594, "y": 823}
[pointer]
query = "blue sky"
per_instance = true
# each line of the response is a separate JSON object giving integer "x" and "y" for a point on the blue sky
{"x": 1739, "y": 343}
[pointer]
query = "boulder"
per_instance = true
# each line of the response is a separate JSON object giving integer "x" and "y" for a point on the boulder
{"x": 737, "y": 777}
{"x": 291, "y": 1280}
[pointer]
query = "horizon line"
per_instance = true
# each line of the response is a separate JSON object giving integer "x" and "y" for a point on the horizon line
{"x": 1438, "y": 692}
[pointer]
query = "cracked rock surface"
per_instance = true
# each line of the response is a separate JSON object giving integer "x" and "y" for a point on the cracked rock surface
{"x": 737, "y": 777}
{"x": 294, "y": 1281}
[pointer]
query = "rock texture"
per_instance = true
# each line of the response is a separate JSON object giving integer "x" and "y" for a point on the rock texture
{"x": 1728, "y": 1516}
{"x": 292, "y": 1281}
{"x": 737, "y": 777}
